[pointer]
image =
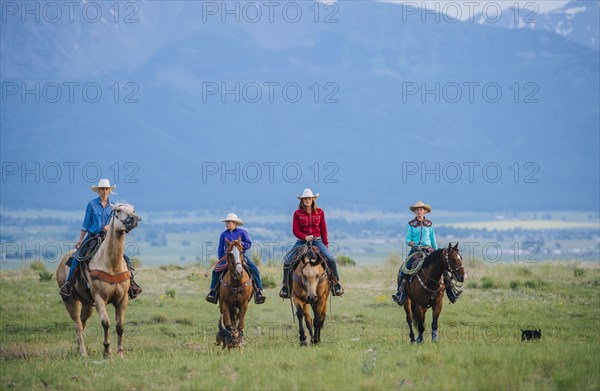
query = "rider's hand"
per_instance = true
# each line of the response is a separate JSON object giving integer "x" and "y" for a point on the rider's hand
{"x": 78, "y": 244}
{"x": 411, "y": 243}
{"x": 309, "y": 238}
{"x": 105, "y": 229}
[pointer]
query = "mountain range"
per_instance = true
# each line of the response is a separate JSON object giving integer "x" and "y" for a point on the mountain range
{"x": 462, "y": 115}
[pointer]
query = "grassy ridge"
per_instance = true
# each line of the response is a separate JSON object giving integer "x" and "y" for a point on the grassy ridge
{"x": 170, "y": 330}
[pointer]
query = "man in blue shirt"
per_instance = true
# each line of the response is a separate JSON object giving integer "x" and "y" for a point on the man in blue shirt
{"x": 97, "y": 217}
{"x": 232, "y": 222}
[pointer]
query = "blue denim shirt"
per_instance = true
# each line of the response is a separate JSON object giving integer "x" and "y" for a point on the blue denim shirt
{"x": 421, "y": 233}
{"x": 233, "y": 235}
{"x": 96, "y": 217}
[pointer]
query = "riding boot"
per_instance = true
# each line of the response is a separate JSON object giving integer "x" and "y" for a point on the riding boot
{"x": 285, "y": 292}
{"x": 212, "y": 296}
{"x": 400, "y": 295}
{"x": 452, "y": 292}
{"x": 67, "y": 288}
{"x": 259, "y": 298}
{"x": 134, "y": 288}
{"x": 338, "y": 289}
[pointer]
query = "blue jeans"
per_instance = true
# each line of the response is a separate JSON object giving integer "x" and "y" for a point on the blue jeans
{"x": 287, "y": 260}
{"x": 75, "y": 261}
{"x": 253, "y": 270}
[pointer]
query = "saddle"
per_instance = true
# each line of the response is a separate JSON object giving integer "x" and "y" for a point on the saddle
{"x": 296, "y": 259}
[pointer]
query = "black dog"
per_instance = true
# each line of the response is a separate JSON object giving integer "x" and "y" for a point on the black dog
{"x": 531, "y": 334}
{"x": 227, "y": 339}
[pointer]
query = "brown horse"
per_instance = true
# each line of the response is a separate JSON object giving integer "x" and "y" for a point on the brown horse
{"x": 310, "y": 289}
{"x": 235, "y": 290}
{"x": 426, "y": 289}
{"x": 108, "y": 278}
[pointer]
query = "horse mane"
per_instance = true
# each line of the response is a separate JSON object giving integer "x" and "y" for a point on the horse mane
{"x": 432, "y": 257}
{"x": 122, "y": 205}
{"x": 306, "y": 249}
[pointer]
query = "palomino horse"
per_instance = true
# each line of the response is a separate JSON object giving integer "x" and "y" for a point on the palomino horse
{"x": 108, "y": 278}
{"x": 310, "y": 289}
{"x": 235, "y": 290}
{"x": 426, "y": 289}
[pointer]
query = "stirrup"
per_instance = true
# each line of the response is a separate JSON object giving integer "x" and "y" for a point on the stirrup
{"x": 284, "y": 293}
{"x": 212, "y": 296}
{"x": 65, "y": 291}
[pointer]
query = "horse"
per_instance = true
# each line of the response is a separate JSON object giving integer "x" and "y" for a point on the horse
{"x": 108, "y": 279}
{"x": 310, "y": 289}
{"x": 426, "y": 289}
{"x": 235, "y": 290}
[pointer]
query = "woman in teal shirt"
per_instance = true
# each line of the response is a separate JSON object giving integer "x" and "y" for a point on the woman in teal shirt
{"x": 420, "y": 235}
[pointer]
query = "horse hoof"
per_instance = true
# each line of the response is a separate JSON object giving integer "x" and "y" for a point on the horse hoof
{"x": 303, "y": 343}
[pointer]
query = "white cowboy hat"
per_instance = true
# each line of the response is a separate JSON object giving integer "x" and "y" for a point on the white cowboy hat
{"x": 307, "y": 193}
{"x": 420, "y": 204}
{"x": 233, "y": 217}
{"x": 103, "y": 183}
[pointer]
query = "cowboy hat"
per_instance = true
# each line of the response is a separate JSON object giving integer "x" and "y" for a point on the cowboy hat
{"x": 307, "y": 193}
{"x": 420, "y": 204}
{"x": 103, "y": 183}
{"x": 233, "y": 217}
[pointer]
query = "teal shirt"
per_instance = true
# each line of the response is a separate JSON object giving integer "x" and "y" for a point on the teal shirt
{"x": 421, "y": 232}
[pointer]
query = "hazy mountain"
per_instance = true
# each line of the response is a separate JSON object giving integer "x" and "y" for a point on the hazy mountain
{"x": 576, "y": 21}
{"x": 542, "y": 132}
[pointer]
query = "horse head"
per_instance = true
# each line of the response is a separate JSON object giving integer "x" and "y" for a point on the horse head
{"x": 235, "y": 257}
{"x": 124, "y": 218}
{"x": 312, "y": 272}
{"x": 454, "y": 262}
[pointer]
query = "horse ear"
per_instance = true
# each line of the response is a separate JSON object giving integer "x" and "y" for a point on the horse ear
{"x": 227, "y": 241}
{"x": 456, "y": 246}
{"x": 450, "y": 246}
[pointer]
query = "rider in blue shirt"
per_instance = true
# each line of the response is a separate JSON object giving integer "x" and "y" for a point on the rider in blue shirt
{"x": 232, "y": 222}
{"x": 97, "y": 217}
{"x": 419, "y": 235}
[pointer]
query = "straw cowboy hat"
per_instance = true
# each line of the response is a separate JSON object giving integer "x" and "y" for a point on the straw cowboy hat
{"x": 307, "y": 193}
{"x": 103, "y": 183}
{"x": 420, "y": 204}
{"x": 233, "y": 217}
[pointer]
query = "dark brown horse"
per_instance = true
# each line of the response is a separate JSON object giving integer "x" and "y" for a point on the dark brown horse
{"x": 310, "y": 289}
{"x": 426, "y": 289}
{"x": 235, "y": 289}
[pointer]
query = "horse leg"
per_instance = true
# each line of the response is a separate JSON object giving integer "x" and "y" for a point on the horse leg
{"x": 241, "y": 317}
{"x": 436, "y": 310}
{"x": 409, "y": 319}
{"x": 120, "y": 320}
{"x": 101, "y": 308}
{"x": 320, "y": 315}
{"x": 419, "y": 314}
{"x": 75, "y": 312}
{"x": 308, "y": 320}
{"x": 300, "y": 315}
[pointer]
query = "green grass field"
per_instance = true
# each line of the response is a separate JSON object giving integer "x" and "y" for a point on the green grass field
{"x": 170, "y": 332}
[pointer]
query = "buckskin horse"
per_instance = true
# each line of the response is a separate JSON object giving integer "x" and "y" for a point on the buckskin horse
{"x": 108, "y": 279}
{"x": 235, "y": 289}
{"x": 310, "y": 289}
{"x": 426, "y": 289}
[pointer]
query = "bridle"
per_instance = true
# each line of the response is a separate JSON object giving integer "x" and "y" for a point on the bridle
{"x": 129, "y": 222}
{"x": 448, "y": 267}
